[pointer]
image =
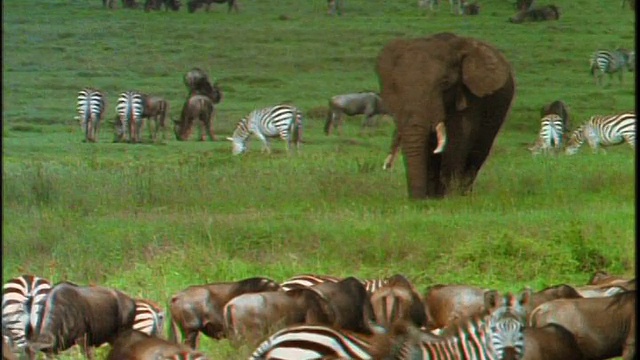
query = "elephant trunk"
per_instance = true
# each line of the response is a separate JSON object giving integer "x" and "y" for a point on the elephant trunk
{"x": 413, "y": 140}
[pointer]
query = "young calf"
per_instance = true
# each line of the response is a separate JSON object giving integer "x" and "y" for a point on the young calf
{"x": 198, "y": 108}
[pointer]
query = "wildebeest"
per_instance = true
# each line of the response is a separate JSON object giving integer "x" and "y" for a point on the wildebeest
{"x": 366, "y": 103}
{"x": 197, "y": 82}
{"x": 136, "y": 345}
{"x": 130, "y": 4}
{"x": 447, "y": 303}
{"x": 603, "y": 327}
{"x": 440, "y": 132}
{"x": 199, "y": 109}
{"x": 542, "y": 13}
{"x": 156, "y": 109}
{"x": 561, "y": 291}
{"x": 86, "y": 316}
{"x": 157, "y": 4}
{"x": 194, "y": 5}
{"x": 350, "y": 302}
{"x": 199, "y": 308}
{"x": 254, "y": 315}
{"x": 559, "y": 108}
{"x": 398, "y": 300}
{"x": 603, "y": 278}
{"x": 590, "y": 291}
{"x": 551, "y": 342}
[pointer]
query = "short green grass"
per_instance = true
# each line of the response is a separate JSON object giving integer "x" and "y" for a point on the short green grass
{"x": 151, "y": 219}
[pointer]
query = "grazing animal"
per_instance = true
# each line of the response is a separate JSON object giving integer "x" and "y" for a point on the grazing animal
{"x": 561, "y": 291}
{"x": 136, "y": 345}
{"x": 198, "y": 109}
{"x": 84, "y": 316}
{"x": 350, "y": 302}
{"x": 23, "y": 301}
{"x": 149, "y": 318}
{"x": 284, "y": 121}
{"x": 91, "y": 108}
{"x": 542, "y": 13}
{"x": 253, "y": 315}
{"x": 362, "y": 103}
{"x": 130, "y": 4}
{"x": 198, "y": 83}
{"x": 194, "y": 5}
{"x": 604, "y": 131}
{"x": 611, "y": 62}
{"x": 447, "y": 303}
{"x": 398, "y": 300}
{"x": 550, "y": 136}
{"x": 199, "y": 308}
{"x": 306, "y": 280}
{"x": 157, "y": 4}
{"x": 155, "y": 109}
{"x": 551, "y": 342}
{"x": 441, "y": 135}
{"x": 130, "y": 109}
{"x": 334, "y": 7}
{"x": 603, "y": 327}
{"x": 559, "y": 108}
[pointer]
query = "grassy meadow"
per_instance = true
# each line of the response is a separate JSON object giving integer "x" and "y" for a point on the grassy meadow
{"x": 152, "y": 219}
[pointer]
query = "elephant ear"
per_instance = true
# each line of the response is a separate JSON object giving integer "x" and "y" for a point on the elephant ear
{"x": 483, "y": 72}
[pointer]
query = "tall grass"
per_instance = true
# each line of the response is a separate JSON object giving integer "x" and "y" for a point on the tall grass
{"x": 153, "y": 219}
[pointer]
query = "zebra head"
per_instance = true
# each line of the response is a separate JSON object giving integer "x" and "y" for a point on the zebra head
{"x": 575, "y": 141}
{"x": 507, "y": 317}
{"x": 239, "y": 138}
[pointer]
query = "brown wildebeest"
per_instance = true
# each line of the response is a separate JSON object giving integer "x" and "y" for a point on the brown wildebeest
{"x": 252, "y": 316}
{"x": 542, "y": 13}
{"x": 446, "y": 303}
{"x": 603, "y": 278}
{"x": 194, "y": 5}
{"x": 197, "y": 82}
{"x": 367, "y": 103}
{"x": 398, "y": 300}
{"x": 561, "y": 291}
{"x": 559, "y": 108}
{"x": 591, "y": 291}
{"x": 471, "y": 9}
{"x": 551, "y": 342}
{"x": 136, "y": 345}
{"x": 199, "y": 308}
{"x": 86, "y": 316}
{"x": 199, "y": 109}
{"x": 156, "y": 109}
{"x": 157, "y": 4}
{"x": 603, "y": 327}
{"x": 350, "y": 302}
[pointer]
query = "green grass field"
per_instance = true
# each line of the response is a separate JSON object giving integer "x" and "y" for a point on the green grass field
{"x": 152, "y": 219}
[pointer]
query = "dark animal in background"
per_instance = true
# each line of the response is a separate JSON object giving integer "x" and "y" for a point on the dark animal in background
{"x": 366, "y": 103}
{"x": 194, "y": 5}
{"x": 156, "y": 109}
{"x": 199, "y": 308}
{"x": 198, "y": 109}
{"x": 334, "y": 7}
{"x": 470, "y": 87}
{"x": 135, "y": 345}
{"x": 130, "y": 4}
{"x": 157, "y": 4}
{"x": 398, "y": 300}
{"x": 84, "y": 316}
{"x": 559, "y": 108}
{"x": 197, "y": 82}
{"x": 446, "y": 304}
{"x": 109, "y": 3}
{"x": 471, "y": 9}
{"x": 543, "y": 13}
{"x": 350, "y": 302}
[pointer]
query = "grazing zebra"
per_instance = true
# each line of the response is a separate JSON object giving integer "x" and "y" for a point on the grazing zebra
{"x": 149, "y": 318}
{"x": 550, "y": 136}
{"x": 284, "y": 121}
{"x": 491, "y": 336}
{"x": 91, "y": 107}
{"x": 611, "y": 62}
{"x": 23, "y": 299}
{"x": 130, "y": 109}
{"x": 604, "y": 130}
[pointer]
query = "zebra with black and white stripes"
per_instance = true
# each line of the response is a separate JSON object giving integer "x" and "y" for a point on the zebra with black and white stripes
{"x": 284, "y": 121}
{"x": 550, "y": 136}
{"x": 23, "y": 300}
{"x": 130, "y": 109}
{"x": 91, "y": 107}
{"x": 488, "y": 337}
{"x": 604, "y": 131}
{"x": 309, "y": 280}
{"x": 149, "y": 318}
{"x": 611, "y": 62}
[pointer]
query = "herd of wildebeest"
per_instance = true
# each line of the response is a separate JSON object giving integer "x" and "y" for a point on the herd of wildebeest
{"x": 563, "y": 322}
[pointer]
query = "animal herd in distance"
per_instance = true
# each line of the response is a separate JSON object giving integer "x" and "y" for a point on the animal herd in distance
{"x": 321, "y": 316}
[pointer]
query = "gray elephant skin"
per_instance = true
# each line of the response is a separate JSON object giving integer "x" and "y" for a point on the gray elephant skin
{"x": 465, "y": 83}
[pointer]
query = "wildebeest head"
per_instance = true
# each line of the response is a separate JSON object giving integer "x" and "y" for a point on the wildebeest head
{"x": 197, "y": 81}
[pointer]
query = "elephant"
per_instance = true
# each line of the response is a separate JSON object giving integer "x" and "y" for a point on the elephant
{"x": 466, "y": 83}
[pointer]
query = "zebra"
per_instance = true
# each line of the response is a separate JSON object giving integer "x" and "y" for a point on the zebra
{"x": 149, "y": 318}
{"x": 308, "y": 280}
{"x": 130, "y": 109}
{"x": 490, "y": 336}
{"x": 91, "y": 107}
{"x": 23, "y": 300}
{"x": 284, "y": 121}
{"x": 611, "y": 62}
{"x": 604, "y": 130}
{"x": 550, "y": 136}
